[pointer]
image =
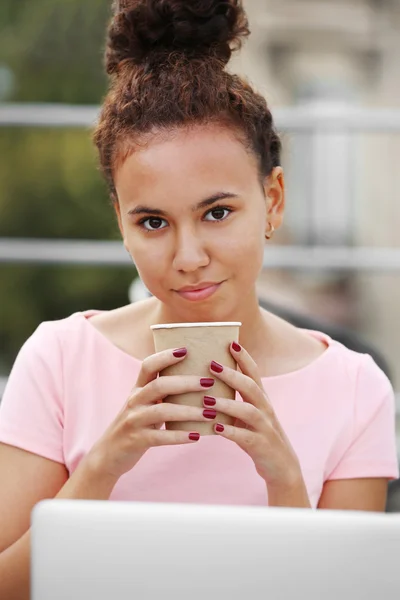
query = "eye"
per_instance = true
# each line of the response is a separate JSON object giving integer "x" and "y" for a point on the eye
{"x": 218, "y": 213}
{"x": 154, "y": 223}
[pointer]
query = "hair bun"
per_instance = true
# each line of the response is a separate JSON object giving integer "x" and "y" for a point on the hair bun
{"x": 142, "y": 29}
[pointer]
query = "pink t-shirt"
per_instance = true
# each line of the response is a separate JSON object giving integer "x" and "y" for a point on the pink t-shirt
{"x": 69, "y": 382}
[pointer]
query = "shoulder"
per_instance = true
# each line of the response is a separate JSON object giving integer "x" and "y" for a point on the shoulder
{"x": 359, "y": 367}
{"x": 39, "y": 364}
{"x": 66, "y": 339}
{"x": 50, "y": 334}
{"x": 357, "y": 383}
{"x": 128, "y": 327}
{"x": 346, "y": 371}
{"x": 51, "y": 339}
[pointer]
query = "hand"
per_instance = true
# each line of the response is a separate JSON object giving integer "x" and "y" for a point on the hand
{"x": 138, "y": 426}
{"x": 256, "y": 429}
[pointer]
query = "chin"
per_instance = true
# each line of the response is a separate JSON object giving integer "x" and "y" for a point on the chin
{"x": 209, "y": 310}
{"x": 207, "y": 313}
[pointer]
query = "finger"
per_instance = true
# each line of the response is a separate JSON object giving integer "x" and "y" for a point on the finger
{"x": 244, "y": 438}
{"x": 169, "y": 385}
{"x": 247, "y": 387}
{"x": 247, "y": 413}
{"x": 165, "y": 412}
{"x": 155, "y": 363}
{"x": 167, "y": 437}
{"x": 246, "y": 363}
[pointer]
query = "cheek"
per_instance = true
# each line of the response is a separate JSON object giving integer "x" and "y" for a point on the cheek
{"x": 249, "y": 259}
{"x": 151, "y": 272}
{"x": 149, "y": 258}
{"x": 245, "y": 247}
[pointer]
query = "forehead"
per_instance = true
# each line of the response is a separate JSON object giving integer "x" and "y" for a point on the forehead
{"x": 205, "y": 157}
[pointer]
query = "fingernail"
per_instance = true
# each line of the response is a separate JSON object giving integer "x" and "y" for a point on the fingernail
{"x": 209, "y": 401}
{"x": 220, "y": 428}
{"x": 216, "y": 367}
{"x": 206, "y": 382}
{"x": 236, "y": 347}
{"x": 179, "y": 352}
{"x": 209, "y": 413}
{"x": 194, "y": 436}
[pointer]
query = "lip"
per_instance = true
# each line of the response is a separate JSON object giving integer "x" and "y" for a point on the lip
{"x": 200, "y": 286}
{"x": 204, "y": 291}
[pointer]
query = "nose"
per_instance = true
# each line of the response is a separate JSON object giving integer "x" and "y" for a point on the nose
{"x": 190, "y": 253}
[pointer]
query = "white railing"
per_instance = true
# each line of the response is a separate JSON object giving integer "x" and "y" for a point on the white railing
{"x": 97, "y": 252}
{"x": 311, "y": 117}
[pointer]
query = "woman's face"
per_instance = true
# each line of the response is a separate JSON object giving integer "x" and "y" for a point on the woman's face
{"x": 192, "y": 212}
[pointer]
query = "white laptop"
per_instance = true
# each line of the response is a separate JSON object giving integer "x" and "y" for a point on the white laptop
{"x": 99, "y": 550}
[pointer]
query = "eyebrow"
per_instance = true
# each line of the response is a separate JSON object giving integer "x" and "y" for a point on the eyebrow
{"x": 140, "y": 209}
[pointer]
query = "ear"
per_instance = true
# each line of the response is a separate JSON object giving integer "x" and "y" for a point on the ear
{"x": 119, "y": 219}
{"x": 274, "y": 189}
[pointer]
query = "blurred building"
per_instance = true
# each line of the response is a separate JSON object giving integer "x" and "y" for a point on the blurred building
{"x": 341, "y": 187}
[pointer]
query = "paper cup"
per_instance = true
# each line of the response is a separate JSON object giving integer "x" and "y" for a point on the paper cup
{"x": 205, "y": 342}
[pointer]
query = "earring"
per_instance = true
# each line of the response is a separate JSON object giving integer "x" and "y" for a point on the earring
{"x": 270, "y": 233}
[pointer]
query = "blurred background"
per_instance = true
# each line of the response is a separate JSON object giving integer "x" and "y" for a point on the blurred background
{"x": 330, "y": 72}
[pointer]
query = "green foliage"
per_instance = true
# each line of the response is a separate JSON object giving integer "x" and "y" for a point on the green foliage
{"x": 55, "y": 48}
{"x": 50, "y": 185}
{"x": 31, "y": 295}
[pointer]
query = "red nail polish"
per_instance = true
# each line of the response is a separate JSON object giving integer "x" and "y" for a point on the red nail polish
{"x": 206, "y": 382}
{"x": 209, "y": 413}
{"x": 209, "y": 401}
{"x": 194, "y": 436}
{"x": 179, "y": 352}
{"x": 220, "y": 428}
{"x": 216, "y": 367}
{"x": 236, "y": 347}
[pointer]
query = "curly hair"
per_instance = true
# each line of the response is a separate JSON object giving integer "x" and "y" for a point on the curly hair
{"x": 167, "y": 65}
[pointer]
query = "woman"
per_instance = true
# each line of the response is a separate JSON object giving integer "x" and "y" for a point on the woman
{"x": 193, "y": 166}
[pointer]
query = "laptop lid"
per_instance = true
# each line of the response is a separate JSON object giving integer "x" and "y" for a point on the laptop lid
{"x": 103, "y": 550}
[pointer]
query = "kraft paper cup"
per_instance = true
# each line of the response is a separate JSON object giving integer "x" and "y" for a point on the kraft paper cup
{"x": 205, "y": 342}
